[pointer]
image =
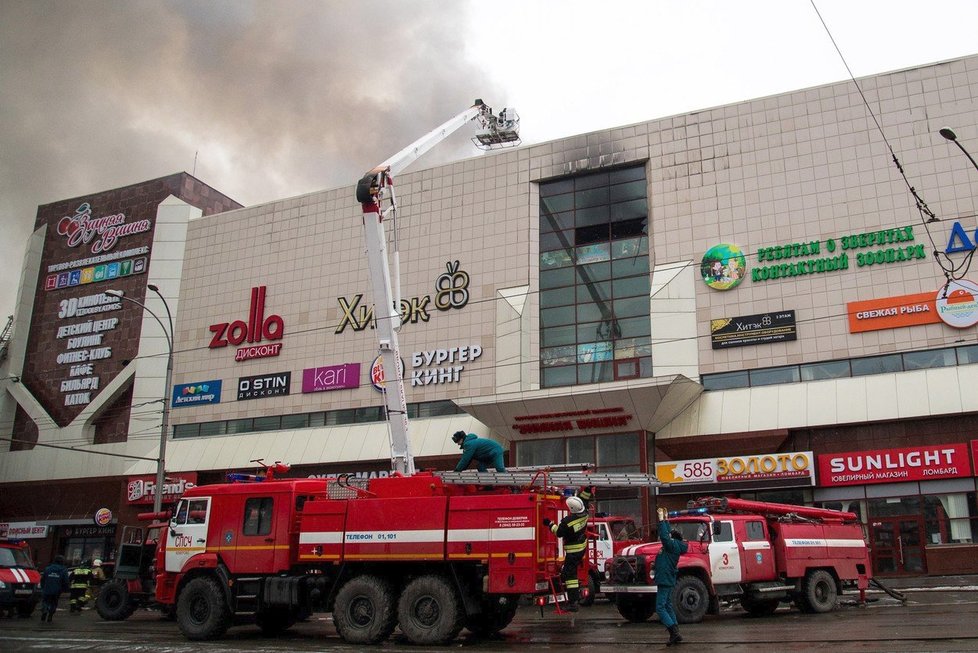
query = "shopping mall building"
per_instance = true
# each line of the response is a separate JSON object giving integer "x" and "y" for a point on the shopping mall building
{"x": 744, "y": 300}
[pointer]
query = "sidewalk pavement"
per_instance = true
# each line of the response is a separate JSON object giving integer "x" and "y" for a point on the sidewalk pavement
{"x": 930, "y": 583}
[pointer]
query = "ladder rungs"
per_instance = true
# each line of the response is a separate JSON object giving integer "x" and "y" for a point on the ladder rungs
{"x": 551, "y": 479}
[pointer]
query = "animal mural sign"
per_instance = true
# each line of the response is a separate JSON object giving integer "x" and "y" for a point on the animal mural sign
{"x": 723, "y": 267}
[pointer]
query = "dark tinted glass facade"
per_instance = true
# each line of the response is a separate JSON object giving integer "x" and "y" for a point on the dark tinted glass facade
{"x": 594, "y": 279}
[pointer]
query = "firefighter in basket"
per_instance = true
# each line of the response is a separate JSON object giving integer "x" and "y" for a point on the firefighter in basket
{"x": 572, "y": 529}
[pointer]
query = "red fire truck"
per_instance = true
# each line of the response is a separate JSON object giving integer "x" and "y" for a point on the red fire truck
{"x": 756, "y": 552}
{"x": 431, "y": 553}
{"x": 19, "y": 578}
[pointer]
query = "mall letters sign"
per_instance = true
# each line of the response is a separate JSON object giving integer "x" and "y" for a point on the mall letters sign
{"x": 921, "y": 463}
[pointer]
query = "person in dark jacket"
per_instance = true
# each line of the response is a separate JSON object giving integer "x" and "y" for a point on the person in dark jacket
{"x": 486, "y": 453}
{"x": 572, "y": 529}
{"x": 666, "y": 564}
{"x": 54, "y": 581}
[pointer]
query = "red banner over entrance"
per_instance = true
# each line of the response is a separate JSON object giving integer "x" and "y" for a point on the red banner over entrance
{"x": 923, "y": 463}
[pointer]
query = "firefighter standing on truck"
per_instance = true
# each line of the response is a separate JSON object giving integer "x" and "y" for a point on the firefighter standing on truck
{"x": 666, "y": 564}
{"x": 572, "y": 529}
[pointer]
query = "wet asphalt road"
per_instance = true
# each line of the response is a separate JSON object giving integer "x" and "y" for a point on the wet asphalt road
{"x": 933, "y": 619}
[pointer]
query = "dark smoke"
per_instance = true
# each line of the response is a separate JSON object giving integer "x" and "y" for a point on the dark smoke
{"x": 276, "y": 98}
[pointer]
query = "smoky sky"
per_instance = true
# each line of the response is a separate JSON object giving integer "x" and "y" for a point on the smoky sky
{"x": 272, "y": 99}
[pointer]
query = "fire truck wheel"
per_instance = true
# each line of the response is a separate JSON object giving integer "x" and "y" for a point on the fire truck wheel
{"x": 593, "y": 587}
{"x": 430, "y": 611}
{"x": 113, "y": 602}
{"x": 690, "y": 599}
{"x": 363, "y": 612}
{"x": 636, "y": 608}
{"x": 818, "y": 591}
{"x": 202, "y": 612}
{"x": 760, "y": 608}
{"x": 497, "y": 613}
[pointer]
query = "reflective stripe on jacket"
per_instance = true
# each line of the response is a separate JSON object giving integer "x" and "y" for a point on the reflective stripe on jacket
{"x": 573, "y": 530}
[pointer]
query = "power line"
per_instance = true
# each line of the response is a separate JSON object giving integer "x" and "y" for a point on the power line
{"x": 948, "y": 268}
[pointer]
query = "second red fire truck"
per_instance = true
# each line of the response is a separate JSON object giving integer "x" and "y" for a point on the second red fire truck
{"x": 758, "y": 553}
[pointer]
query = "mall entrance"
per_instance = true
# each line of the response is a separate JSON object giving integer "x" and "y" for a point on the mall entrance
{"x": 897, "y": 545}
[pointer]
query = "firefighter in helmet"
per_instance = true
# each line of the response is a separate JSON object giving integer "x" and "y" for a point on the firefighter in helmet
{"x": 572, "y": 529}
{"x": 98, "y": 579}
{"x": 79, "y": 580}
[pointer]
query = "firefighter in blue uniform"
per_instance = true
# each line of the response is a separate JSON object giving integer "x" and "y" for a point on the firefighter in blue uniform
{"x": 572, "y": 529}
{"x": 666, "y": 564}
{"x": 486, "y": 453}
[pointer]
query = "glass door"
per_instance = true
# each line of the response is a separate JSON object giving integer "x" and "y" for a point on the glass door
{"x": 897, "y": 545}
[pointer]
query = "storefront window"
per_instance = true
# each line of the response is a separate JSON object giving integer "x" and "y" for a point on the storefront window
{"x": 540, "y": 452}
{"x": 611, "y": 453}
{"x": 951, "y": 518}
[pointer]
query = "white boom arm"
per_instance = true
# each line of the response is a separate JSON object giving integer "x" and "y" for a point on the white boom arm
{"x": 373, "y": 189}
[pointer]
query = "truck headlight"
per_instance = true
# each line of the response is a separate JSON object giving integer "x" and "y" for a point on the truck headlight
{"x": 3, "y": 585}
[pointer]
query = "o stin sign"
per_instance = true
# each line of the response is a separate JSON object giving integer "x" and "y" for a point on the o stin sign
{"x": 924, "y": 463}
{"x": 257, "y": 328}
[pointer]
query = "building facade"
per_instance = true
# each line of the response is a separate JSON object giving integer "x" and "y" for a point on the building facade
{"x": 744, "y": 299}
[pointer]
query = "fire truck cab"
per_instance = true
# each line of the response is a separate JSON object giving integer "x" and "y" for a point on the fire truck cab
{"x": 758, "y": 553}
{"x": 20, "y": 588}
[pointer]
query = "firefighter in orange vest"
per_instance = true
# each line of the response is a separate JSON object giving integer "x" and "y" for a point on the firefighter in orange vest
{"x": 572, "y": 529}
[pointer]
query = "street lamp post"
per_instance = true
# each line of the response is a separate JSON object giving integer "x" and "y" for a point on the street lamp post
{"x": 949, "y": 134}
{"x": 168, "y": 333}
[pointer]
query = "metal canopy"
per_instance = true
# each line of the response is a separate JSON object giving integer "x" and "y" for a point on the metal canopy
{"x": 650, "y": 404}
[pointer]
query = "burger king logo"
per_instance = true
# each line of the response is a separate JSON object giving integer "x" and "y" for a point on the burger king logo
{"x": 103, "y": 516}
{"x": 377, "y": 376}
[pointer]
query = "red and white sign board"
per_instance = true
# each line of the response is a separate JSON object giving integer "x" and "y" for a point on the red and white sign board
{"x": 923, "y": 463}
{"x": 140, "y": 490}
{"x": 22, "y": 530}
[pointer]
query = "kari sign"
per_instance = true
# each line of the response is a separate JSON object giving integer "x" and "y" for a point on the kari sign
{"x": 892, "y": 312}
{"x": 759, "y": 467}
{"x": 924, "y": 463}
{"x": 331, "y": 377}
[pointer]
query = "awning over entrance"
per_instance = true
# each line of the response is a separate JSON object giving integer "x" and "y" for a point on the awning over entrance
{"x": 641, "y": 404}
